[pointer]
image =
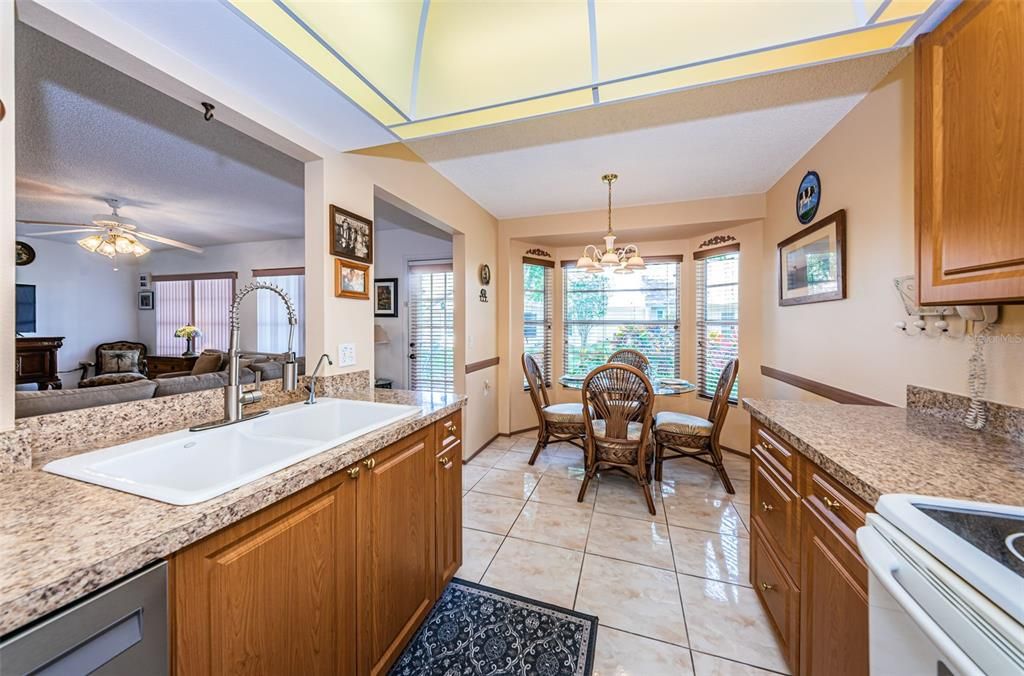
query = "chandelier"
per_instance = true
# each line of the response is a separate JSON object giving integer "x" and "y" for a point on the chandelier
{"x": 622, "y": 261}
{"x": 113, "y": 243}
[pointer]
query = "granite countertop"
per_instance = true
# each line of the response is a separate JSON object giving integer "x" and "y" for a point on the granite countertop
{"x": 61, "y": 539}
{"x": 874, "y": 450}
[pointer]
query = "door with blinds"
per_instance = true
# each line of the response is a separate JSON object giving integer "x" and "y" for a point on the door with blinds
{"x": 431, "y": 326}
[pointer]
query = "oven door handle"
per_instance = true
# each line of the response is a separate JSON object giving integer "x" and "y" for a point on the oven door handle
{"x": 883, "y": 561}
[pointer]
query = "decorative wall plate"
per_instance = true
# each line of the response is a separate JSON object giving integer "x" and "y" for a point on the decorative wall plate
{"x": 485, "y": 274}
{"x": 808, "y": 196}
{"x": 24, "y": 254}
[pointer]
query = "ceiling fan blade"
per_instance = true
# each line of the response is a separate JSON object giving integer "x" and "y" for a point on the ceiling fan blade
{"x": 61, "y": 232}
{"x": 167, "y": 240}
{"x": 58, "y": 224}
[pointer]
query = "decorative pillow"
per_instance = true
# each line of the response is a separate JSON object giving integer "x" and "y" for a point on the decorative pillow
{"x": 111, "y": 379}
{"x": 119, "y": 361}
{"x": 208, "y": 362}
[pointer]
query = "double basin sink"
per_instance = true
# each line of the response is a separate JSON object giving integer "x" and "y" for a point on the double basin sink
{"x": 184, "y": 468}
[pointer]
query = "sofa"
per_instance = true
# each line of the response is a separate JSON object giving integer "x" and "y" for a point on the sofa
{"x": 269, "y": 366}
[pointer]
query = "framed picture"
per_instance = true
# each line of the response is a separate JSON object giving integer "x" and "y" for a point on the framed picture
{"x": 812, "y": 263}
{"x": 351, "y": 280}
{"x": 385, "y": 297}
{"x": 145, "y": 300}
{"x": 351, "y": 235}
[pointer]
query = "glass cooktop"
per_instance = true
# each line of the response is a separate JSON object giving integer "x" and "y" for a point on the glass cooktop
{"x": 999, "y": 536}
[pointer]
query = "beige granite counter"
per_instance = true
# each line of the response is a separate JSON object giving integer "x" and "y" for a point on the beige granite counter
{"x": 61, "y": 539}
{"x": 874, "y": 450}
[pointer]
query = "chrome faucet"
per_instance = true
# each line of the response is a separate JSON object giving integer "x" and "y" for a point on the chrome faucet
{"x": 312, "y": 379}
{"x": 234, "y": 398}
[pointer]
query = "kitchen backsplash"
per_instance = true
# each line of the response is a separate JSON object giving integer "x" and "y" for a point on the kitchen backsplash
{"x": 37, "y": 440}
{"x": 1006, "y": 421}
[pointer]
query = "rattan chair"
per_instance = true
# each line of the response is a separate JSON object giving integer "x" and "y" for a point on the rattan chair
{"x": 618, "y": 401}
{"x": 678, "y": 435}
{"x": 555, "y": 422}
{"x": 631, "y": 358}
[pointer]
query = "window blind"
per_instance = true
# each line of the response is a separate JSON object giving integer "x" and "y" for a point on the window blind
{"x": 271, "y": 318}
{"x": 718, "y": 277}
{"x": 607, "y": 312}
{"x": 172, "y": 300}
{"x": 537, "y": 313}
{"x": 202, "y": 300}
{"x": 431, "y": 326}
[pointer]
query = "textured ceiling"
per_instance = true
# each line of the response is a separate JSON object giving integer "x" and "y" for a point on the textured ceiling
{"x": 728, "y": 139}
{"x": 86, "y": 131}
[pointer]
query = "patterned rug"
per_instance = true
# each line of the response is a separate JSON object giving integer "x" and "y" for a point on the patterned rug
{"x": 475, "y": 630}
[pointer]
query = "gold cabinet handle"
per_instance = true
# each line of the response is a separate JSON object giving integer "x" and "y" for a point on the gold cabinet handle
{"x": 450, "y": 426}
{"x": 445, "y": 462}
{"x": 765, "y": 507}
{"x": 834, "y": 505}
{"x": 767, "y": 587}
{"x": 370, "y": 463}
{"x": 353, "y": 473}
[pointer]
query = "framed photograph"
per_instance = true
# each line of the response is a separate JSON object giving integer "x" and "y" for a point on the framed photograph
{"x": 385, "y": 297}
{"x": 812, "y": 263}
{"x": 351, "y": 280}
{"x": 351, "y": 236}
{"x": 145, "y": 300}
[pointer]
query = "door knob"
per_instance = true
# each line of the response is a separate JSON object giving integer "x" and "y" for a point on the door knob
{"x": 767, "y": 587}
{"x": 370, "y": 463}
{"x": 353, "y": 473}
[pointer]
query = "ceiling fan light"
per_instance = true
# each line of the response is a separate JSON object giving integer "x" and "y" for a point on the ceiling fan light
{"x": 90, "y": 243}
{"x": 107, "y": 248}
{"x": 123, "y": 245}
{"x": 139, "y": 249}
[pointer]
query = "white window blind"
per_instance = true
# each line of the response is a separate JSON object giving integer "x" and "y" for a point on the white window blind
{"x": 537, "y": 311}
{"x": 201, "y": 300}
{"x": 431, "y": 326}
{"x": 271, "y": 318}
{"x": 718, "y": 307}
{"x": 606, "y": 312}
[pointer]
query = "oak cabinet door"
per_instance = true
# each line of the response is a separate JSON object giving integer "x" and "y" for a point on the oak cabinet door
{"x": 272, "y": 594}
{"x": 970, "y": 155}
{"x": 397, "y": 565}
{"x": 834, "y": 602}
{"x": 448, "y": 514}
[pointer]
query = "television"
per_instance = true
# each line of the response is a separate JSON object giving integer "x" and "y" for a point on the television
{"x": 25, "y": 308}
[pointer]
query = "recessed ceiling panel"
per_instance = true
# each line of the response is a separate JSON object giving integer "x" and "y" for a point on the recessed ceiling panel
{"x": 439, "y": 66}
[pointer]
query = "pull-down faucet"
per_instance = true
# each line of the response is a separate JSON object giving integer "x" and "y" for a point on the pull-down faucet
{"x": 234, "y": 397}
{"x": 312, "y": 379}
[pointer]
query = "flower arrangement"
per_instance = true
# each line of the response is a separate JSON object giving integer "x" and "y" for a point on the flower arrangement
{"x": 188, "y": 331}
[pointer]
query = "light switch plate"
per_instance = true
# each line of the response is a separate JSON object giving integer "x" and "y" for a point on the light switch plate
{"x": 346, "y": 354}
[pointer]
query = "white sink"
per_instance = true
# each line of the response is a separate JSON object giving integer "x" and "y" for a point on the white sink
{"x": 183, "y": 468}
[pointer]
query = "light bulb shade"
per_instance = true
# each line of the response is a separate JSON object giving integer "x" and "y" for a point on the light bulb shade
{"x": 594, "y": 268}
{"x": 622, "y": 270}
{"x": 107, "y": 249}
{"x": 635, "y": 262}
{"x": 123, "y": 245}
{"x": 584, "y": 262}
{"x": 90, "y": 243}
{"x": 139, "y": 249}
{"x": 609, "y": 259}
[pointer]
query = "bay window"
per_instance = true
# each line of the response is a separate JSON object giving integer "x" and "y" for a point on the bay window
{"x": 718, "y": 301}
{"x": 537, "y": 303}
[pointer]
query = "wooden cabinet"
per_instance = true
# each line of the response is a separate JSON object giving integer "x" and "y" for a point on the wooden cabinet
{"x": 335, "y": 579}
{"x": 970, "y": 156}
{"x": 804, "y": 563}
{"x": 158, "y": 365}
{"x": 35, "y": 361}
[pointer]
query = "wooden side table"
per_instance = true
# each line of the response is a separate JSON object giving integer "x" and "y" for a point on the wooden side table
{"x": 36, "y": 361}
{"x": 158, "y": 365}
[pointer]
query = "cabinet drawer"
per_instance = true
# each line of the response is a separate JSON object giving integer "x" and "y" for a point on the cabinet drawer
{"x": 776, "y": 453}
{"x": 843, "y": 510}
{"x": 775, "y": 509}
{"x": 448, "y": 431}
{"x": 778, "y": 594}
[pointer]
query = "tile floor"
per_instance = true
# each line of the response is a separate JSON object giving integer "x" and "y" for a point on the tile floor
{"x": 671, "y": 590}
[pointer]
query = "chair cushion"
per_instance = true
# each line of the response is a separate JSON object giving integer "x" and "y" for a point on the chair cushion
{"x": 110, "y": 379}
{"x": 632, "y": 431}
{"x": 681, "y": 423}
{"x": 564, "y": 413}
{"x": 119, "y": 361}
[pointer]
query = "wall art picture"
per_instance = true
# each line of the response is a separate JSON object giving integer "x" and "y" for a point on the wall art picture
{"x": 351, "y": 280}
{"x": 145, "y": 300}
{"x": 385, "y": 297}
{"x": 812, "y": 263}
{"x": 351, "y": 235}
{"x": 808, "y": 196}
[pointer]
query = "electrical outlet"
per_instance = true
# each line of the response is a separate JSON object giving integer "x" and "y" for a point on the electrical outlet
{"x": 346, "y": 354}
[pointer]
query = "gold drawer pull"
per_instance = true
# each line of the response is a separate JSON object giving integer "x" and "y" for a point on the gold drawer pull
{"x": 353, "y": 473}
{"x": 765, "y": 507}
{"x": 450, "y": 426}
{"x": 445, "y": 462}
{"x": 371, "y": 463}
{"x": 834, "y": 505}
{"x": 765, "y": 587}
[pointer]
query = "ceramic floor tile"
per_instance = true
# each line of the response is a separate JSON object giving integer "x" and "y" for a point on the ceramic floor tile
{"x": 631, "y": 597}
{"x": 622, "y": 496}
{"x": 564, "y": 449}
{"x": 478, "y": 548}
{"x": 506, "y": 483}
{"x": 743, "y": 509}
{"x": 709, "y": 665}
{"x": 502, "y": 443}
{"x": 536, "y": 571}
{"x": 565, "y": 468}
{"x": 690, "y": 473}
{"x": 560, "y": 525}
{"x": 491, "y": 513}
{"x": 622, "y": 654}
{"x": 635, "y": 540}
{"x": 524, "y": 445}
{"x": 711, "y": 555}
{"x": 727, "y": 620}
{"x": 558, "y": 491}
{"x": 470, "y": 475}
{"x": 701, "y": 511}
{"x": 486, "y": 458}
{"x": 520, "y": 462}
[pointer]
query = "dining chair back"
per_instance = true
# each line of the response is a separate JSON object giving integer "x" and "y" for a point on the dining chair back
{"x": 618, "y": 401}
{"x": 634, "y": 358}
{"x": 555, "y": 422}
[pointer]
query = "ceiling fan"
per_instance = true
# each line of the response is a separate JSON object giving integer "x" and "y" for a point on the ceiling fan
{"x": 112, "y": 234}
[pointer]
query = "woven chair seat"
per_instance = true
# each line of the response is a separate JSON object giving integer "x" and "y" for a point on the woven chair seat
{"x": 683, "y": 424}
{"x": 563, "y": 413}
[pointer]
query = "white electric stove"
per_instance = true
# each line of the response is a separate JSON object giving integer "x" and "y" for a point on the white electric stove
{"x": 946, "y": 590}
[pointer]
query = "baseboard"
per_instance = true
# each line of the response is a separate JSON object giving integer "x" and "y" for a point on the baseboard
{"x": 477, "y": 451}
{"x": 735, "y": 452}
{"x": 515, "y": 432}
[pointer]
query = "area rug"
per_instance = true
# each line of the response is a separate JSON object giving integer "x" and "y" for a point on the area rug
{"x": 475, "y": 629}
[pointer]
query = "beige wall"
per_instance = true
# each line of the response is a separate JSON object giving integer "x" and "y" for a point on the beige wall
{"x": 7, "y": 214}
{"x": 866, "y": 164}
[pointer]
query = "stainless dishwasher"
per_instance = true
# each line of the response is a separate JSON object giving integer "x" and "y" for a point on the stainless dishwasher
{"x": 119, "y": 630}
